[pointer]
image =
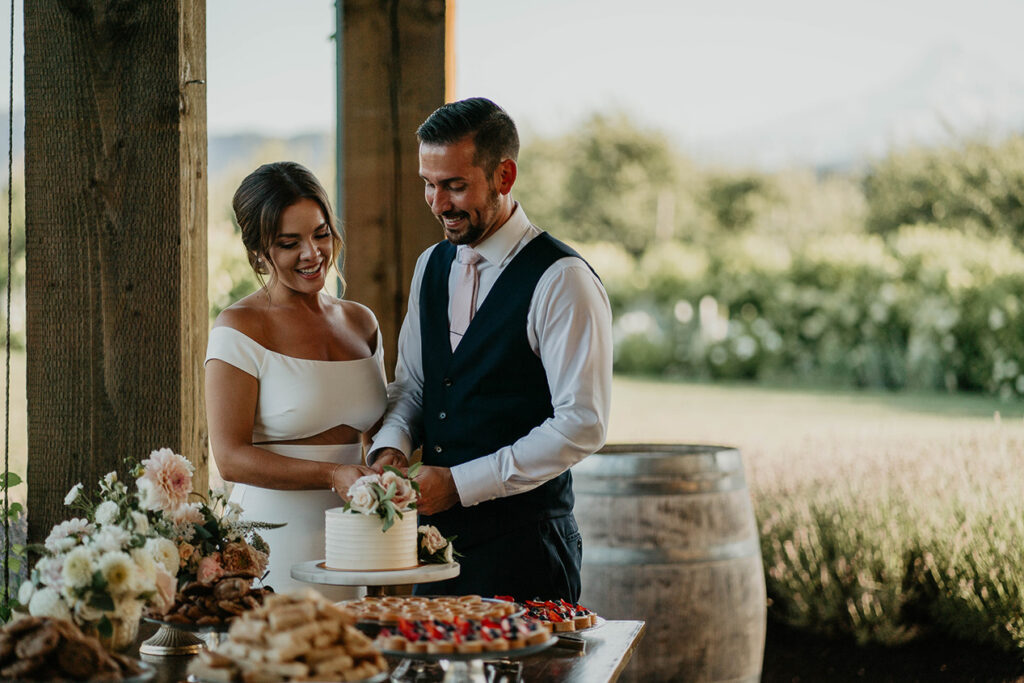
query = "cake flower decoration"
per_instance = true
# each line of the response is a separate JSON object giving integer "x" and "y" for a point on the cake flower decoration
{"x": 389, "y": 495}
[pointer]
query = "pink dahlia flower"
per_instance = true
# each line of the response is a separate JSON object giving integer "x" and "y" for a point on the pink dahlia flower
{"x": 166, "y": 482}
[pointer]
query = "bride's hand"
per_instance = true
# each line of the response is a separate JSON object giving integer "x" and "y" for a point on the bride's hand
{"x": 389, "y": 456}
{"x": 344, "y": 476}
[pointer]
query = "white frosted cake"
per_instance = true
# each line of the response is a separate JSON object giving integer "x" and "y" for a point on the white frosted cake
{"x": 355, "y": 542}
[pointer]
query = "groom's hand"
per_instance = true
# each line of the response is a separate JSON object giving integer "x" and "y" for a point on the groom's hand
{"x": 437, "y": 490}
{"x": 389, "y": 456}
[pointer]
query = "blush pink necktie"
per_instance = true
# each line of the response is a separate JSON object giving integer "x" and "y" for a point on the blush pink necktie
{"x": 467, "y": 281}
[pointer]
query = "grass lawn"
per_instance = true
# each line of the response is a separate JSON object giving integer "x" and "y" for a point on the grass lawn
{"x": 765, "y": 423}
{"x": 821, "y": 432}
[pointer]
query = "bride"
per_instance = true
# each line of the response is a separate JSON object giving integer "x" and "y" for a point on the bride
{"x": 295, "y": 380}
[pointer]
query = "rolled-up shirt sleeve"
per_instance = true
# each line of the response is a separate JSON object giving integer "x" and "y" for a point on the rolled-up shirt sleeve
{"x": 569, "y": 327}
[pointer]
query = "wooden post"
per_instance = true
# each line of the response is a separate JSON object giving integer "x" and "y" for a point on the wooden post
{"x": 393, "y": 65}
{"x": 115, "y": 222}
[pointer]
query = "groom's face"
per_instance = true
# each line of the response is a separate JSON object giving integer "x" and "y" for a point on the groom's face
{"x": 460, "y": 194}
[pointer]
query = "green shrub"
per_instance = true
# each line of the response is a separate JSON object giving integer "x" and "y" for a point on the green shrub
{"x": 974, "y": 185}
{"x": 885, "y": 539}
{"x": 926, "y": 308}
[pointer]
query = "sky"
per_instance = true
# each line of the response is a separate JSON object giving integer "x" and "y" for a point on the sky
{"x": 697, "y": 70}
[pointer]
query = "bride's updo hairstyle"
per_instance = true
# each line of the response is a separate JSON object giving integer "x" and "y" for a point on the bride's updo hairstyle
{"x": 261, "y": 199}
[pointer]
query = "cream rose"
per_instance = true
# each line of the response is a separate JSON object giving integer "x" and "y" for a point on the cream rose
{"x": 404, "y": 492}
{"x": 166, "y": 553}
{"x": 432, "y": 540}
{"x": 361, "y": 496}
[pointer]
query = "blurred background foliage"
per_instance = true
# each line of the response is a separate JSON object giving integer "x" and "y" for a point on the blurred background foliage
{"x": 906, "y": 273}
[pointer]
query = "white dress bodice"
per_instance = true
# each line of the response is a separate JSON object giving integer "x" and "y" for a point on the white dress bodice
{"x": 299, "y": 398}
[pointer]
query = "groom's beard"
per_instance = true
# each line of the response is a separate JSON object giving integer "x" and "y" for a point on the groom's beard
{"x": 473, "y": 232}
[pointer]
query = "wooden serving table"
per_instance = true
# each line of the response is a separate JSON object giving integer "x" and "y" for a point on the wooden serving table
{"x": 606, "y": 652}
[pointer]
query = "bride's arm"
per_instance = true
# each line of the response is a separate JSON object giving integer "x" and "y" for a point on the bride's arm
{"x": 231, "y": 397}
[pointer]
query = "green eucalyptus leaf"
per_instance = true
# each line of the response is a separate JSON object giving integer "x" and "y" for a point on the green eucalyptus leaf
{"x": 104, "y": 627}
{"x": 101, "y": 601}
{"x": 11, "y": 479}
{"x": 414, "y": 470}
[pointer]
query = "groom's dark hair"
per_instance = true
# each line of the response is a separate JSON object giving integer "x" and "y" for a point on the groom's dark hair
{"x": 494, "y": 133}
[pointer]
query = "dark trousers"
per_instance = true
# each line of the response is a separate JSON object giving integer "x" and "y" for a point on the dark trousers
{"x": 538, "y": 560}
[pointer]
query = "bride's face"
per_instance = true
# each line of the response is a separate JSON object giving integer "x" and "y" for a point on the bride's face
{"x": 300, "y": 254}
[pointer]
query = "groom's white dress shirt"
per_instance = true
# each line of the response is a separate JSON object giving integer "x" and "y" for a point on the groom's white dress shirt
{"x": 568, "y": 327}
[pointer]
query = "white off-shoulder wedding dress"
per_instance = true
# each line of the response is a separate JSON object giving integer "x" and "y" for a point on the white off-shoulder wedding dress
{"x": 299, "y": 398}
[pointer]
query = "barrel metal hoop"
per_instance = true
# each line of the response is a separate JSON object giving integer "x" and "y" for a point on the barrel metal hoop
{"x": 638, "y": 556}
{"x": 718, "y": 463}
{"x": 601, "y": 486}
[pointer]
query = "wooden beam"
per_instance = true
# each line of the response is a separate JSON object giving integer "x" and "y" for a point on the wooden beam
{"x": 393, "y": 77}
{"x": 115, "y": 218}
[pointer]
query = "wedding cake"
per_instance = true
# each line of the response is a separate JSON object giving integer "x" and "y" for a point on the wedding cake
{"x": 357, "y": 541}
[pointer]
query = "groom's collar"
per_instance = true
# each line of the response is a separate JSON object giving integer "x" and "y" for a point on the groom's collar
{"x": 500, "y": 244}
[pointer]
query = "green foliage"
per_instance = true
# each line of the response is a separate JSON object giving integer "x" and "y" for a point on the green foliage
{"x": 924, "y": 537}
{"x": 975, "y": 186}
{"x": 926, "y": 308}
{"x": 601, "y": 182}
{"x": 14, "y": 553}
{"x": 731, "y": 199}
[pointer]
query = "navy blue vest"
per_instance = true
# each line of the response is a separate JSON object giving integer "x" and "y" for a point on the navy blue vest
{"x": 490, "y": 392}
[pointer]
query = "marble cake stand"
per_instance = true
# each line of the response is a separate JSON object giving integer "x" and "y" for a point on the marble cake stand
{"x": 314, "y": 571}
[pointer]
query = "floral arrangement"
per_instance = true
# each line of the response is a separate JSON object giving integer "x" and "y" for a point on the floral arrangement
{"x": 109, "y": 564}
{"x": 390, "y": 494}
{"x": 220, "y": 543}
{"x": 433, "y": 547}
{"x": 130, "y": 550}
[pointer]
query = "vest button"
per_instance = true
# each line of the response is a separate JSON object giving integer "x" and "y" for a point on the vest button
{"x": 442, "y": 415}
{"x": 438, "y": 449}
{"x": 447, "y": 381}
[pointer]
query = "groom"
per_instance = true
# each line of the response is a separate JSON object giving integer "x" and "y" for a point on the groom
{"x": 504, "y": 368}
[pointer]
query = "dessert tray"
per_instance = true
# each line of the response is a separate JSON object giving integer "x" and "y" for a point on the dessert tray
{"x": 471, "y": 656}
{"x": 174, "y": 638}
{"x": 379, "y": 678}
{"x": 147, "y": 673}
{"x": 598, "y": 623}
{"x": 190, "y": 628}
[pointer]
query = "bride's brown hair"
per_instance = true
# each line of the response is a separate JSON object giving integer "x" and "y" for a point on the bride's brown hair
{"x": 261, "y": 199}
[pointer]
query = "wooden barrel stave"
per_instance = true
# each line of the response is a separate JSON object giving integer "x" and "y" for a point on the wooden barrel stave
{"x": 669, "y": 537}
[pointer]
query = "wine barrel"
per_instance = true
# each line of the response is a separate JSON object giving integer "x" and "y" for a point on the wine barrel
{"x": 669, "y": 537}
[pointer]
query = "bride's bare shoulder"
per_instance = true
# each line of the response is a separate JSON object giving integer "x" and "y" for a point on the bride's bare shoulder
{"x": 359, "y": 318}
{"x": 247, "y": 315}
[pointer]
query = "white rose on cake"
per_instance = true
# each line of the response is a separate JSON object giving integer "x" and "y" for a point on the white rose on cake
{"x": 361, "y": 494}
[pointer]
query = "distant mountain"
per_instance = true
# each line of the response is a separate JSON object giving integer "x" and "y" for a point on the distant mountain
{"x": 314, "y": 150}
{"x": 950, "y": 94}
